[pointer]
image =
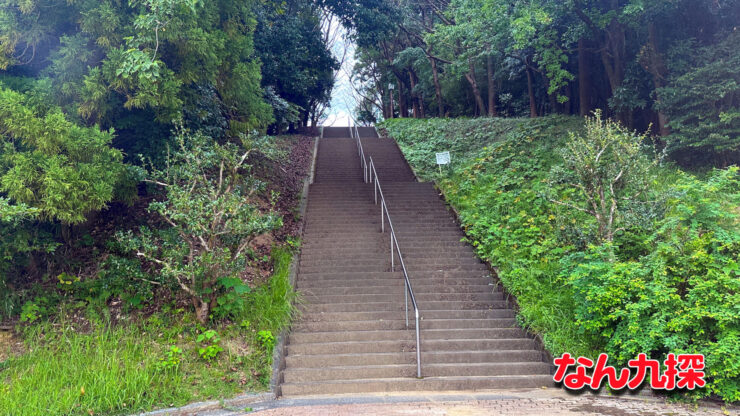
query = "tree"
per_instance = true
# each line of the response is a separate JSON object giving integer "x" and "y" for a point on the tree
{"x": 605, "y": 170}
{"x": 107, "y": 61}
{"x": 211, "y": 219}
{"x": 296, "y": 63}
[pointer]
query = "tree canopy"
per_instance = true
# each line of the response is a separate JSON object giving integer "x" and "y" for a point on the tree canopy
{"x": 646, "y": 63}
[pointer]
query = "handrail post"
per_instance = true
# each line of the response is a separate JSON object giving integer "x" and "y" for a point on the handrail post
{"x": 375, "y": 188}
{"x": 382, "y": 217}
{"x": 418, "y": 347}
{"x": 406, "y": 300}
{"x": 392, "y": 263}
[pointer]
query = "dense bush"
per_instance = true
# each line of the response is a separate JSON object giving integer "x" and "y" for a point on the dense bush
{"x": 669, "y": 280}
{"x": 62, "y": 170}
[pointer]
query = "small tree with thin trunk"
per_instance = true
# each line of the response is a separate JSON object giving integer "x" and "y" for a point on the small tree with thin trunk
{"x": 605, "y": 173}
{"x": 211, "y": 219}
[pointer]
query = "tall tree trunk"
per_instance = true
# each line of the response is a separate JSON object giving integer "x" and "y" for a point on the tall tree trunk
{"x": 414, "y": 100}
{"x": 611, "y": 46}
{"x": 491, "y": 85}
{"x": 657, "y": 70}
{"x": 530, "y": 90}
{"x": 584, "y": 82}
{"x": 554, "y": 104}
{"x": 613, "y": 54}
{"x": 613, "y": 58}
{"x": 437, "y": 87}
{"x": 402, "y": 104}
{"x": 391, "y": 113}
{"x": 569, "y": 94}
{"x": 474, "y": 84}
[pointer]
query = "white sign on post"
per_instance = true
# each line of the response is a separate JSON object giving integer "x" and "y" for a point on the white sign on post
{"x": 443, "y": 158}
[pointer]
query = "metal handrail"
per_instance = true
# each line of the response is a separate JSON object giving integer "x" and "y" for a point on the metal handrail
{"x": 355, "y": 134}
{"x": 371, "y": 175}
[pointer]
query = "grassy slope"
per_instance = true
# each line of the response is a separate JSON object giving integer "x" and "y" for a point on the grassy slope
{"x": 494, "y": 183}
{"x": 115, "y": 370}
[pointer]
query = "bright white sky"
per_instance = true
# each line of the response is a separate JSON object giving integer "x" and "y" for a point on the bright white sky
{"x": 342, "y": 97}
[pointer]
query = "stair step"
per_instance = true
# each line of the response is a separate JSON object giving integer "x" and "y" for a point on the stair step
{"x": 393, "y": 287}
{"x": 399, "y": 324}
{"x": 409, "y": 357}
{"x": 398, "y": 306}
{"x": 293, "y": 375}
{"x": 398, "y": 296}
{"x": 361, "y": 347}
{"x": 412, "y": 384}
{"x": 366, "y": 275}
{"x": 389, "y": 335}
{"x": 419, "y": 284}
{"x": 390, "y": 315}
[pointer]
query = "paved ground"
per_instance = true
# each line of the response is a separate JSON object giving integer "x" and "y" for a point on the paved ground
{"x": 529, "y": 402}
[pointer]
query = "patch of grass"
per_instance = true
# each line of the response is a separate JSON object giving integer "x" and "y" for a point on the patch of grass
{"x": 271, "y": 305}
{"x": 119, "y": 369}
{"x": 107, "y": 371}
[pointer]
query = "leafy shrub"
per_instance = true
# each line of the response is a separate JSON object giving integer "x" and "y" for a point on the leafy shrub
{"x": 210, "y": 349}
{"x": 682, "y": 297}
{"x": 63, "y": 170}
{"x": 212, "y": 220}
{"x": 171, "y": 360}
{"x": 18, "y": 240}
{"x": 31, "y": 312}
{"x": 266, "y": 340}
{"x": 121, "y": 277}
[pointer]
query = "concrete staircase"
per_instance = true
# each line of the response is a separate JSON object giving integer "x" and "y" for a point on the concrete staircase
{"x": 352, "y": 335}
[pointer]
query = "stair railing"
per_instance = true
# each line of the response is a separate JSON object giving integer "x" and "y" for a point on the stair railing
{"x": 370, "y": 174}
{"x": 355, "y": 134}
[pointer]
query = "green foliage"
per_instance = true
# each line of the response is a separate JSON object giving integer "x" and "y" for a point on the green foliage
{"x": 266, "y": 340}
{"x": 669, "y": 280}
{"x": 683, "y": 296}
{"x": 63, "y": 170}
{"x": 18, "y": 239}
{"x": 297, "y": 66}
{"x": 212, "y": 220}
{"x": 271, "y": 305}
{"x": 119, "y": 277}
{"x": 605, "y": 173}
{"x": 103, "y": 61}
{"x": 31, "y": 311}
{"x": 171, "y": 360}
{"x": 498, "y": 186}
{"x": 464, "y": 138}
{"x": 132, "y": 368}
{"x": 210, "y": 345}
{"x": 703, "y": 104}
